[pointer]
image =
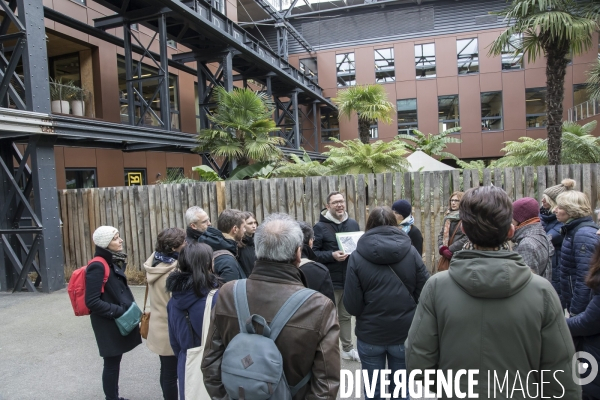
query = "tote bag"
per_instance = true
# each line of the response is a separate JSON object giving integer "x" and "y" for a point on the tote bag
{"x": 194, "y": 381}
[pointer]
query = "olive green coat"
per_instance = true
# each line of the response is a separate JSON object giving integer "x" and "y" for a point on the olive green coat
{"x": 490, "y": 313}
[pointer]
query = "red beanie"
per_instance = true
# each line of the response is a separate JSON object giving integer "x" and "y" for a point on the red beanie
{"x": 525, "y": 208}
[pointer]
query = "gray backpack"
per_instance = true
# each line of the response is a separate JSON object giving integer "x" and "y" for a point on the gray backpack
{"x": 252, "y": 366}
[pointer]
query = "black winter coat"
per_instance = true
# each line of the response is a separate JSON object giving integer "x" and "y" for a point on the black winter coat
{"x": 325, "y": 243}
{"x": 247, "y": 254}
{"x": 316, "y": 274}
{"x": 416, "y": 238}
{"x": 385, "y": 277}
{"x": 106, "y": 307}
{"x": 585, "y": 329}
{"x": 225, "y": 266}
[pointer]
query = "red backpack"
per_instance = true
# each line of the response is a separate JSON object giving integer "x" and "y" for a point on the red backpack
{"x": 76, "y": 287}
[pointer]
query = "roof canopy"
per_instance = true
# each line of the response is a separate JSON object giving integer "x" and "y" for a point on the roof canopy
{"x": 420, "y": 161}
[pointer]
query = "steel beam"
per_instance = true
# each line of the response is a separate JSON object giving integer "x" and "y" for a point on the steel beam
{"x": 165, "y": 99}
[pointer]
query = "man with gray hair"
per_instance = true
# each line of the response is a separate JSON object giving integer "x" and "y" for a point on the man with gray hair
{"x": 308, "y": 342}
{"x": 196, "y": 222}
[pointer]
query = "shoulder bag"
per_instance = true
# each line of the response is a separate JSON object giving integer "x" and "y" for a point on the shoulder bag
{"x": 145, "y": 322}
{"x": 443, "y": 262}
{"x": 405, "y": 287}
{"x": 194, "y": 381}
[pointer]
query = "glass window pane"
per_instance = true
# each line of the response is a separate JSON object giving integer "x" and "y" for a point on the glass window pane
{"x": 330, "y": 126}
{"x": 448, "y": 112}
{"x": 580, "y": 94}
{"x": 80, "y": 178}
{"x": 512, "y": 55}
{"x": 308, "y": 66}
{"x": 407, "y": 115}
{"x": 468, "y": 56}
{"x": 491, "y": 111}
{"x": 535, "y": 107}
{"x": 346, "y": 69}
{"x": 66, "y": 68}
{"x": 425, "y": 60}
{"x": 374, "y": 131}
{"x": 384, "y": 65}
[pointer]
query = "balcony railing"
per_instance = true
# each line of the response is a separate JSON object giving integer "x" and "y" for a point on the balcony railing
{"x": 72, "y": 100}
{"x": 584, "y": 110}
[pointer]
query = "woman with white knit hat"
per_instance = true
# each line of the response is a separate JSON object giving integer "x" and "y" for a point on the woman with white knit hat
{"x": 108, "y": 304}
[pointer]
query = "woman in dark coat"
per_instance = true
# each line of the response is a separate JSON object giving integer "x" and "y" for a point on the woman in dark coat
{"x": 246, "y": 250}
{"x": 451, "y": 238}
{"x": 316, "y": 274}
{"x": 383, "y": 283}
{"x": 106, "y": 306}
{"x": 189, "y": 285}
{"x": 585, "y": 327}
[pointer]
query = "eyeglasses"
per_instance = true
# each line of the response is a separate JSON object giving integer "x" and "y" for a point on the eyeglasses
{"x": 338, "y": 203}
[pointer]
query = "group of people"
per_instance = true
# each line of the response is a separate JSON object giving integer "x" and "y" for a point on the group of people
{"x": 514, "y": 269}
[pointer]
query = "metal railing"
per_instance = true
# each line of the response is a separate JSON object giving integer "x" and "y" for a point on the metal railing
{"x": 584, "y": 110}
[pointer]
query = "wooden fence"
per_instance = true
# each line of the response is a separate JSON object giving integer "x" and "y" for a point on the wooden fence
{"x": 141, "y": 212}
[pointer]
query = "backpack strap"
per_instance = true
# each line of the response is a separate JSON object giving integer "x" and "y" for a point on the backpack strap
{"x": 106, "y": 270}
{"x": 287, "y": 310}
{"x": 304, "y": 381}
{"x": 241, "y": 303}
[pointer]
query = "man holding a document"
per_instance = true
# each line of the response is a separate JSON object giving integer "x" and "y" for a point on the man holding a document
{"x": 329, "y": 248}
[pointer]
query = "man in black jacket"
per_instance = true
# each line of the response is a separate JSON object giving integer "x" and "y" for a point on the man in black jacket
{"x": 334, "y": 219}
{"x": 196, "y": 222}
{"x": 224, "y": 244}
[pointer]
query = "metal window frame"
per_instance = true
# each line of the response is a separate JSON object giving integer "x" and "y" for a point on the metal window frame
{"x": 528, "y": 116}
{"x": 491, "y": 118}
{"x": 407, "y": 125}
{"x": 423, "y": 59}
{"x": 81, "y": 169}
{"x": 389, "y": 68}
{"x": 447, "y": 120}
{"x": 345, "y": 74}
{"x": 470, "y": 58}
{"x": 326, "y": 126}
{"x": 510, "y": 52}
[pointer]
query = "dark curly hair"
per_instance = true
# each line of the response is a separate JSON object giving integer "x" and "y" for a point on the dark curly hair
{"x": 486, "y": 214}
{"x": 169, "y": 239}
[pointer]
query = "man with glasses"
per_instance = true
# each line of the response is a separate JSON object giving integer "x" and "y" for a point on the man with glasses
{"x": 334, "y": 219}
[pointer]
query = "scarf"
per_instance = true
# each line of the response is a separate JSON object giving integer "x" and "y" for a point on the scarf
{"x": 504, "y": 246}
{"x": 169, "y": 258}
{"x": 528, "y": 222}
{"x": 407, "y": 223}
{"x": 119, "y": 258}
{"x": 450, "y": 216}
{"x": 545, "y": 211}
{"x": 194, "y": 234}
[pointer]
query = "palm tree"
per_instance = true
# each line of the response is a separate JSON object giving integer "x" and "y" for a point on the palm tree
{"x": 301, "y": 167}
{"x": 578, "y": 147}
{"x": 553, "y": 28}
{"x": 430, "y": 144}
{"x": 241, "y": 126}
{"x": 356, "y": 157}
{"x": 369, "y": 102}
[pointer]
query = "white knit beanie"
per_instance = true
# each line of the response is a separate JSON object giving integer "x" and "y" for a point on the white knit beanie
{"x": 104, "y": 235}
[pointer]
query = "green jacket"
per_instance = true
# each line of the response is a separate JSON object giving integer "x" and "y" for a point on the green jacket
{"x": 488, "y": 312}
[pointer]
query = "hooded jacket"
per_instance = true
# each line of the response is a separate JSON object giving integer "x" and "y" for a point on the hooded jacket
{"x": 184, "y": 299}
{"x": 247, "y": 254}
{"x": 534, "y": 245}
{"x": 489, "y": 312}
{"x": 552, "y": 227}
{"x": 316, "y": 274}
{"x": 225, "y": 266}
{"x": 326, "y": 243}
{"x": 158, "y": 332}
{"x": 384, "y": 280}
{"x": 575, "y": 257}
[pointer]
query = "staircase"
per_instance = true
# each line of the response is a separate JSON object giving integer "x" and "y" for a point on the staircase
{"x": 584, "y": 110}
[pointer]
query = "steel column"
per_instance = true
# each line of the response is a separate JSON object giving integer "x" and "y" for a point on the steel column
{"x": 315, "y": 125}
{"x": 165, "y": 100}
{"x": 296, "y": 117}
{"x": 227, "y": 64}
{"x": 129, "y": 73}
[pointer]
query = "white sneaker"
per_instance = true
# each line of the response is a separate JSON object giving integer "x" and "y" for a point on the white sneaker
{"x": 350, "y": 355}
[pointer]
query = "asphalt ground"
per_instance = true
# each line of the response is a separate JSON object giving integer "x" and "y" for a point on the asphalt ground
{"x": 46, "y": 352}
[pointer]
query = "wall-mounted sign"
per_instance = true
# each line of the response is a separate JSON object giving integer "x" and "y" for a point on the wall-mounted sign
{"x": 135, "y": 177}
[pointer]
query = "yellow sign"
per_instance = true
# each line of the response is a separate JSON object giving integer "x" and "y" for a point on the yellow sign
{"x": 134, "y": 178}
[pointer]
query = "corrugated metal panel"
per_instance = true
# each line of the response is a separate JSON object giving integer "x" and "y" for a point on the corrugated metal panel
{"x": 391, "y": 23}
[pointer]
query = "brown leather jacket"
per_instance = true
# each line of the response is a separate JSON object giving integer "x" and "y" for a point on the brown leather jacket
{"x": 309, "y": 340}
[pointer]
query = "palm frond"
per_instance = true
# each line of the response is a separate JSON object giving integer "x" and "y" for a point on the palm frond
{"x": 370, "y": 102}
{"x": 355, "y": 157}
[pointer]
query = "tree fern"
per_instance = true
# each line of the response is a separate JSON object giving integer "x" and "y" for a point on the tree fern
{"x": 355, "y": 157}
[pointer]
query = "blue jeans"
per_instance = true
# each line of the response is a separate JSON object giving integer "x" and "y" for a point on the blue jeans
{"x": 374, "y": 357}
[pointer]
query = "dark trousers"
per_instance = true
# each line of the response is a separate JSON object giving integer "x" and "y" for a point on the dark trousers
{"x": 110, "y": 377}
{"x": 168, "y": 377}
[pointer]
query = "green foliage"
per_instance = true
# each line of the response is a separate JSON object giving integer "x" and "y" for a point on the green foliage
{"x": 62, "y": 91}
{"x": 578, "y": 147}
{"x": 431, "y": 144}
{"x": 242, "y": 123}
{"x": 593, "y": 81}
{"x": 175, "y": 176}
{"x": 206, "y": 173}
{"x": 371, "y": 104}
{"x": 259, "y": 170}
{"x": 355, "y": 157}
{"x": 478, "y": 165}
{"x": 301, "y": 167}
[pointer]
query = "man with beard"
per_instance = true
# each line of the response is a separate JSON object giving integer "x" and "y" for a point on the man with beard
{"x": 334, "y": 219}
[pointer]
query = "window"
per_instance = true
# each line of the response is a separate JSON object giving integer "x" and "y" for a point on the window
{"x": 346, "y": 69}
{"x": 66, "y": 68}
{"x": 407, "y": 116}
{"x": 219, "y": 5}
{"x": 468, "y": 56}
{"x": 308, "y": 66}
{"x": 135, "y": 177}
{"x": 384, "y": 65}
{"x": 147, "y": 88}
{"x": 580, "y": 94}
{"x": 174, "y": 173}
{"x": 448, "y": 116}
{"x": 425, "y": 60}
{"x": 330, "y": 126}
{"x": 512, "y": 53}
{"x": 535, "y": 107}
{"x": 491, "y": 111}
{"x": 374, "y": 131}
{"x": 80, "y": 1}
{"x": 81, "y": 178}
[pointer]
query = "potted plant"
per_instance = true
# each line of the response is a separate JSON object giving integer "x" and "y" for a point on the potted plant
{"x": 59, "y": 96}
{"x": 77, "y": 100}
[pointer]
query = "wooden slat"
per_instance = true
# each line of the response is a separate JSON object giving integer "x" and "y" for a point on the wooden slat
{"x": 529, "y": 188}
{"x": 475, "y": 178}
{"x": 87, "y": 235}
{"x": 249, "y": 187}
{"x": 191, "y": 196}
{"x": 518, "y": 182}
{"x": 308, "y": 201}
{"x": 258, "y": 200}
{"x": 112, "y": 193}
{"x": 595, "y": 191}
{"x": 361, "y": 202}
{"x": 73, "y": 228}
{"x": 134, "y": 242}
{"x": 408, "y": 187}
{"x": 541, "y": 181}
{"x": 141, "y": 228}
{"x": 565, "y": 173}
{"x": 164, "y": 201}
{"x": 128, "y": 244}
{"x": 467, "y": 179}
{"x": 351, "y": 196}
{"x": 180, "y": 206}
{"x": 445, "y": 190}
{"x": 417, "y": 205}
{"x": 153, "y": 211}
{"x": 83, "y": 242}
{"x": 427, "y": 217}
{"x": 332, "y": 184}
{"x": 91, "y": 218}
{"x": 266, "y": 197}
{"x": 103, "y": 219}
{"x": 145, "y": 210}
{"x": 456, "y": 181}
{"x": 290, "y": 198}
{"x": 498, "y": 181}
{"x": 205, "y": 198}
{"x": 438, "y": 212}
{"x": 281, "y": 196}
{"x": 170, "y": 204}
{"x": 575, "y": 174}
{"x": 487, "y": 177}
{"x": 119, "y": 206}
{"x": 551, "y": 176}
{"x": 509, "y": 183}
{"x": 64, "y": 211}
{"x": 299, "y": 198}
{"x": 243, "y": 193}
{"x": 372, "y": 192}
{"x": 388, "y": 192}
{"x": 109, "y": 207}
{"x": 586, "y": 180}
{"x": 398, "y": 194}
{"x": 380, "y": 185}
{"x": 324, "y": 190}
